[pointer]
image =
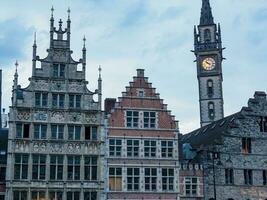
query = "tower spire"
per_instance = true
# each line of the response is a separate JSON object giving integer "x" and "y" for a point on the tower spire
{"x": 99, "y": 87}
{"x": 68, "y": 27}
{"x": 15, "y": 81}
{"x": 206, "y": 17}
{"x": 51, "y": 27}
{"x": 84, "y": 56}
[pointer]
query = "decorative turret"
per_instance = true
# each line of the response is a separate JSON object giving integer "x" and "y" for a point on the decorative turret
{"x": 99, "y": 88}
{"x": 51, "y": 27}
{"x": 84, "y": 55}
{"x": 15, "y": 85}
{"x": 206, "y": 14}
{"x": 68, "y": 27}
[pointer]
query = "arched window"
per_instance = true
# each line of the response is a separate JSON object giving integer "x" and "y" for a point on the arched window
{"x": 207, "y": 35}
{"x": 210, "y": 87}
{"x": 211, "y": 110}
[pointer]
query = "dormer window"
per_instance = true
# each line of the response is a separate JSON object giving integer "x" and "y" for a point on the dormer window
{"x": 140, "y": 92}
{"x": 59, "y": 70}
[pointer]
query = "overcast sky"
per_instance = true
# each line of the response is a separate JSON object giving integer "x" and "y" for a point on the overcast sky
{"x": 156, "y": 35}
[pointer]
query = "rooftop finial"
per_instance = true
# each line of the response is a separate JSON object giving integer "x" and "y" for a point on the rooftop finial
{"x": 99, "y": 71}
{"x": 34, "y": 42}
{"x": 16, "y": 64}
{"x": 60, "y": 23}
{"x": 52, "y": 12}
{"x": 84, "y": 40}
{"x": 68, "y": 13}
{"x": 206, "y": 14}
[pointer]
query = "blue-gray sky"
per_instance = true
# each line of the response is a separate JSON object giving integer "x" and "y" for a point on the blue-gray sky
{"x": 156, "y": 35}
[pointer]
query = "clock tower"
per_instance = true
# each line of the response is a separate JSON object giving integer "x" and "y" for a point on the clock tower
{"x": 208, "y": 51}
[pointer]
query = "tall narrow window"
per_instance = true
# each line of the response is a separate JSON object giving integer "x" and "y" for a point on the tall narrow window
{"x": 73, "y": 195}
{"x": 22, "y": 130}
{"x": 167, "y": 179}
{"x": 74, "y": 132}
{"x": 41, "y": 99}
{"x": 90, "y": 195}
{"x": 90, "y": 168}
{"x": 40, "y": 131}
{"x": 207, "y": 35}
{"x": 74, "y": 101}
{"x": 166, "y": 149}
{"x": 2, "y": 173}
{"x": 21, "y": 166}
{"x": 38, "y": 195}
{"x": 115, "y": 179}
{"x": 191, "y": 185}
{"x": 115, "y": 147}
{"x": 133, "y": 177}
{"x": 210, "y": 88}
{"x": 57, "y": 195}
{"x": 211, "y": 110}
{"x": 57, "y": 132}
{"x": 151, "y": 179}
{"x": 73, "y": 167}
{"x": 150, "y": 148}
{"x": 132, "y": 148}
{"x": 56, "y": 167}
{"x": 248, "y": 177}
{"x": 59, "y": 70}
{"x": 38, "y": 166}
{"x": 229, "y": 176}
{"x": 264, "y": 177}
{"x": 132, "y": 118}
{"x": 20, "y": 195}
{"x": 246, "y": 145}
{"x": 58, "y": 100}
{"x": 263, "y": 124}
{"x": 149, "y": 119}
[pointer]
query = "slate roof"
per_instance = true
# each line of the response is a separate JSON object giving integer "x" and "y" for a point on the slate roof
{"x": 211, "y": 133}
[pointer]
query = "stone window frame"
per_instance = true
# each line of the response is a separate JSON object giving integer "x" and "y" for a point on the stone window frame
{"x": 58, "y": 100}
{"x": 140, "y": 92}
{"x": 150, "y": 148}
{"x": 248, "y": 177}
{"x": 133, "y": 179}
{"x": 132, "y": 119}
{"x": 39, "y": 131}
{"x": 74, "y": 132}
{"x": 58, "y": 195}
{"x": 57, "y": 162}
{"x": 20, "y": 194}
{"x": 39, "y": 167}
{"x": 116, "y": 146}
{"x": 43, "y": 101}
{"x": 21, "y": 163}
{"x": 149, "y": 119}
{"x": 210, "y": 87}
{"x": 90, "y": 167}
{"x": 59, "y": 131}
{"x": 92, "y": 195}
{"x": 91, "y": 133}
{"x": 22, "y": 130}
{"x": 168, "y": 179}
{"x": 151, "y": 179}
{"x": 58, "y": 70}
{"x": 229, "y": 176}
{"x": 167, "y": 149}
{"x": 133, "y": 146}
{"x": 115, "y": 178}
{"x": 211, "y": 110}
{"x": 263, "y": 124}
{"x": 38, "y": 195}
{"x": 73, "y": 195}
{"x": 75, "y": 101}
{"x": 246, "y": 145}
{"x": 191, "y": 186}
{"x": 73, "y": 167}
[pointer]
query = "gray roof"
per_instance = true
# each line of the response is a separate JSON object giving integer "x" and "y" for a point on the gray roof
{"x": 211, "y": 133}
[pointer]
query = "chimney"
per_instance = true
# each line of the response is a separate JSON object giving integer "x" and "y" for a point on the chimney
{"x": 109, "y": 105}
{"x": 140, "y": 72}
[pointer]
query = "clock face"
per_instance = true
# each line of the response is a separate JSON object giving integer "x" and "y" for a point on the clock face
{"x": 208, "y": 64}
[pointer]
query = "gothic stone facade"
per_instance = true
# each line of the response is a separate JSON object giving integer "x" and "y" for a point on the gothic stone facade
{"x": 233, "y": 153}
{"x": 55, "y": 147}
{"x": 143, "y": 145}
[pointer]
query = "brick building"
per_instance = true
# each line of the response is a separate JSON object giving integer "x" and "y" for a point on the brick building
{"x": 142, "y": 145}
{"x": 56, "y": 138}
{"x": 233, "y": 153}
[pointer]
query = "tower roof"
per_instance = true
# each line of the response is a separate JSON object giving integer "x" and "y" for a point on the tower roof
{"x": 206, "y": 17}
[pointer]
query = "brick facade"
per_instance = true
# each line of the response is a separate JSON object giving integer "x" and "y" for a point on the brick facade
{"x": 150, "y": 130}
